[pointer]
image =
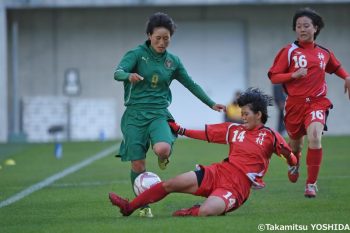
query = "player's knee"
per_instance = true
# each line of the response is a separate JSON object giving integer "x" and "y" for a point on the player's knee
{"x": 162, "y": 150}
{"x": 314, "y": 141}
{"x": 138, "y": 166}
{"x": 168, "y": 186}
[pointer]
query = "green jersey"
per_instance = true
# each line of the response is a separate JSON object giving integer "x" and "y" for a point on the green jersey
{"x": 158, "y": 71}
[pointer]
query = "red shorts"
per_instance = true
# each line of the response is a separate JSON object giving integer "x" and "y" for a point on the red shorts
{"x": 225, "y": 181}
{"x": 301, "y": 112}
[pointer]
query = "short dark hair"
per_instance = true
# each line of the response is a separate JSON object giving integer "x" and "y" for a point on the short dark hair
{"x": 160, "y": 19}
{"x": 257, "y": 101}
{"x": 311, "y": 14}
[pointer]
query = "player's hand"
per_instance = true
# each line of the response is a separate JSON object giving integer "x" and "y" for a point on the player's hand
{"x": 292, "y": 160}
{"x": 347, "y": 86}
{"x": 288, "y": 155}
{"x": 176, "y": 128}
{"x": 219, "y": 107}
{"x": 135, "y": 78}
{"x": 301, "y": 72}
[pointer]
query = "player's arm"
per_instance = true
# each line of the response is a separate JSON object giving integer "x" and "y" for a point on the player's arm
{"x": 214, "y": 133}
{"x": 279, "y": 72}
{"x": 286, "y": 77}
{"x": 334, "y": 66}
{"x": 283, "y": 150}
{"x": 123, "y": 71}
{"x": 347, "y": 86}
{"x": 287, "y": 153}
{"x": 341, "y": 72}
{"x": 196, "y": 134}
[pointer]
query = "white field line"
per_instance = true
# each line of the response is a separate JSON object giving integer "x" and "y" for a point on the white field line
{"x": 58, "y": 176}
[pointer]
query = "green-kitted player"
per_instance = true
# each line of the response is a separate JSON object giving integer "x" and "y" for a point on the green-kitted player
{"x": 147, "y": 72}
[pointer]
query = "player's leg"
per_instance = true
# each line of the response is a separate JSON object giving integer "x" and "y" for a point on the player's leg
{"x": 296, "y": 146}
{"x": 162, "y": 150}
{"x": 205, "y": 180}
{"x": 162, "y": 140}
{"x": 213, "y": 206}
{"x": 315, "y": 125}
{"x": 313, "y": 157}
{"x": 184, "y": 183}
{"x": 281, "y": 127}
{"x": 138, "y": 167}
{"x": 218, "y": 203}
{"x": 134, "y": 148}
{"x": 294, "y": 123}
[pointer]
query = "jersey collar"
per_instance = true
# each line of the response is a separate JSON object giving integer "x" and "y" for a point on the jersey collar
{"x": 305, "y": 45}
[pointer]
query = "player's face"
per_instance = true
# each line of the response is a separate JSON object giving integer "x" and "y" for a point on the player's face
{"x": 304, "y": 29}
{"x": 160, "y": 39}
{"x": 250, "y": 119}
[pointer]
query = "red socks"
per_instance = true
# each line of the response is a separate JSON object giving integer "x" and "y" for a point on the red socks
{"x": 195, "y": 211}
{"x": 154, "y": 194}
{"x": 313, "y": 162}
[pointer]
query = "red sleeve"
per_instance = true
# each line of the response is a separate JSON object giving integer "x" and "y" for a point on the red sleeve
{"x": 283, "y": 150}
{"x": 280, "y": 64}
{"x": 280, "y": 78}
{"x": 333, "y": 64}
{"x": 218, "y": 133}
{"x": 196, "y": 134}
{"x": 281, "y": 146}
{"x": 341, "y": 72}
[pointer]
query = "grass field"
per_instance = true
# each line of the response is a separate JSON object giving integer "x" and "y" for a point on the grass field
{"x": 79, "y": 201}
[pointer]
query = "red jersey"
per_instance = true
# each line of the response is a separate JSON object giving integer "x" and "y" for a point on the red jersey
{"x": 316, "y": 59}
{"x": 250, "y": 150}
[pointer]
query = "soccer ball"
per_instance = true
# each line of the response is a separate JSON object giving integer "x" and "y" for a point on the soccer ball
{"x": 144, "y": 181}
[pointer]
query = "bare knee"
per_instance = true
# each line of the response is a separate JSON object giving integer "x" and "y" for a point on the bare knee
{"x": 314, "y": 141}
{"x": 314, "y": 138}
{"x": 213, "y": 206}
{"x": 314, "y": 135}
{"x": 168, "y": 186}
{"x": 162, "y": 149}
{"x": 138, "y": 166}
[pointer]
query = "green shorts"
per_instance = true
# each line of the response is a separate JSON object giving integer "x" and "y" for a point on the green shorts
{"x": 142, "y": 128}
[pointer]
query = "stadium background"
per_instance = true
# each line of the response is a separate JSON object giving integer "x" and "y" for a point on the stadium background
{"x": 225, "y": 45}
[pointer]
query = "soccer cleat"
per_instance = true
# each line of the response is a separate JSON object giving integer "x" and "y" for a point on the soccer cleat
{"x": 122, "y": 203}
{"x": 293, "y": 171}
{"x": 162, "y": 163}
{"x": 146, "y": 212}
{"x": 310, "y": 190}
{"x": 185, "y": 212}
